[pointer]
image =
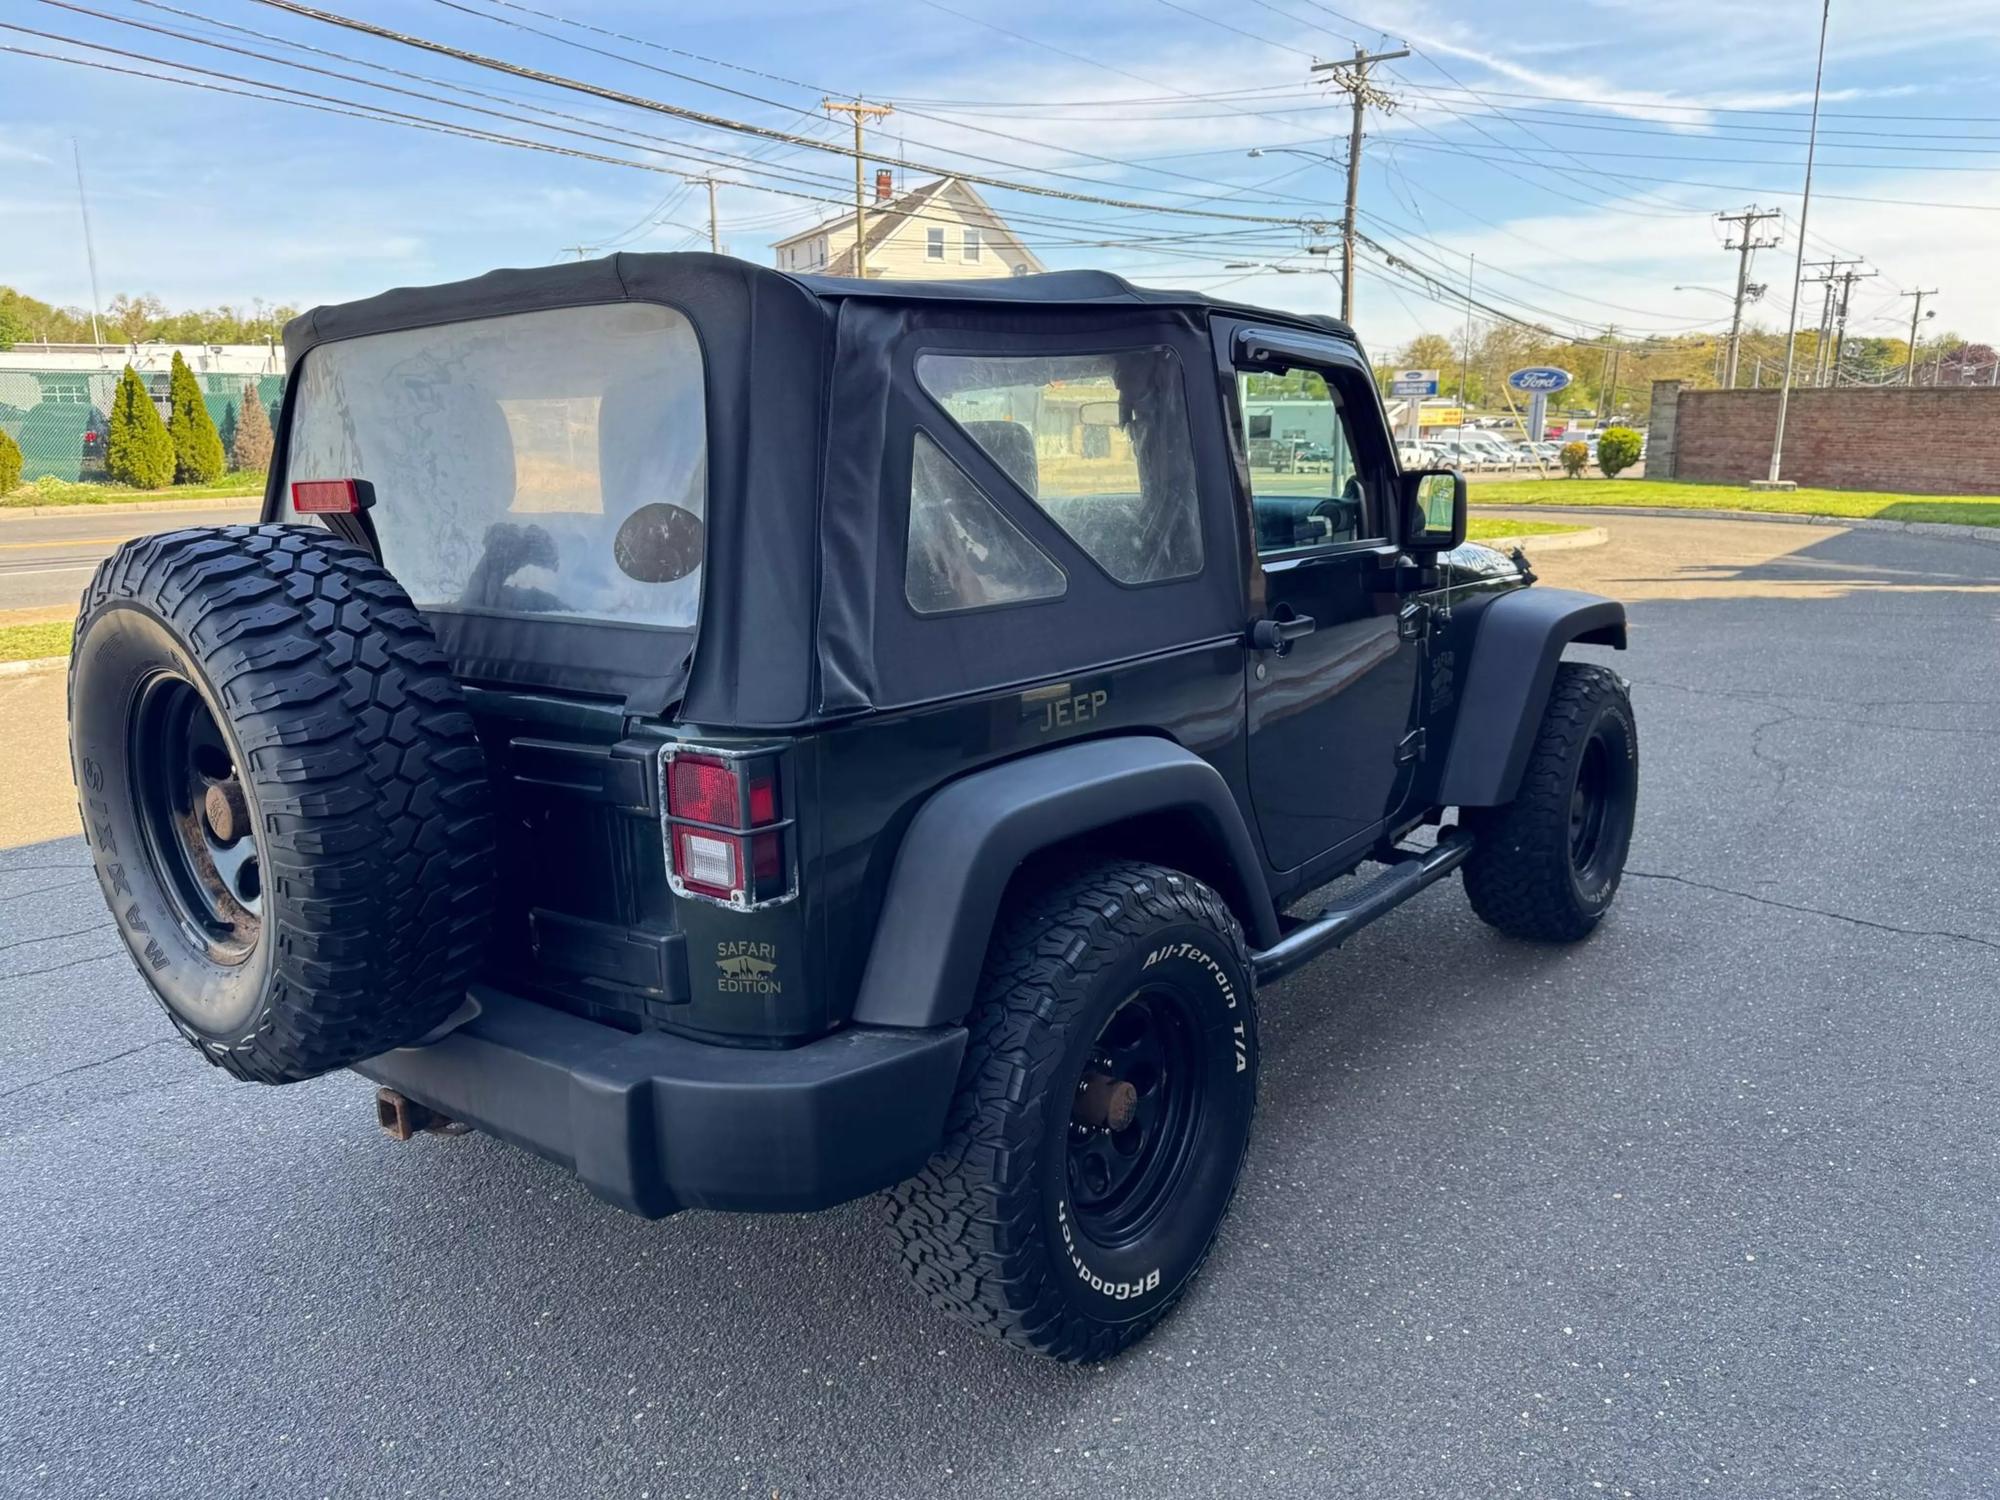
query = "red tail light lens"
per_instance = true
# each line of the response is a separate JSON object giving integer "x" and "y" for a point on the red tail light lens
{"x": 704, "y": 789}
{"x": 727, "y": 840}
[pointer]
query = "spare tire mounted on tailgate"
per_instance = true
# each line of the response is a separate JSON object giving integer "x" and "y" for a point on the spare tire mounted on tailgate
{"x": 283, "y": 795}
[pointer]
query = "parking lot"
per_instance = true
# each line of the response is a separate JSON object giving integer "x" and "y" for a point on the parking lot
{"x": 1708, "y": 1206}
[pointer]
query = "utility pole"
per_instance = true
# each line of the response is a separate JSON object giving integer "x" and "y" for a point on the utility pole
{"x": 1604, "y": 371}
{"x": 860, "y": 110}
{"x": 1847, "y": 280}
{"x": 1916, "y": 308}
{"x": 579, "y": 251}
{"x": 1831, "y": 268}
{"x": 1749, "y": 219}
{"x": 89, "y": 247}
{"x": 1465, "y": 355}
{"x": 714, "y": 234}
{"x": 1351, "y": 78}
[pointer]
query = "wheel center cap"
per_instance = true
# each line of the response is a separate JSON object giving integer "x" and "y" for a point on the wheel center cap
{"x": 227, "y": 813}
{"x": 1104, "y": 1101}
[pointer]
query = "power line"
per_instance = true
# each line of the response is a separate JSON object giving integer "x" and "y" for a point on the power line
{"x": 721, "y": 122}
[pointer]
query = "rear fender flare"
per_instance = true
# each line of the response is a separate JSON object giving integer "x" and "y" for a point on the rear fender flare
{"x": 1519, "y": 644}
{"x": 965, "y": 843}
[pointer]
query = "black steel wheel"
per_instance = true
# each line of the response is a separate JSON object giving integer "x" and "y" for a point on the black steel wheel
{"x": 1103, "y": 1110}
{"x": 194, "y": 816}
{"x": 1547, "y": 865}
{"x": 1138, "y": 1115}
{"x": 283, "y": 795}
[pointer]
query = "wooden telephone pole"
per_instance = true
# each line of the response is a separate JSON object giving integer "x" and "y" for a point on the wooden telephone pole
{"x": 1749, "y": 219}
{"x": 714, "y": 230}
{"x": 1351, "y": 78}
{"x": 860, "y": 110}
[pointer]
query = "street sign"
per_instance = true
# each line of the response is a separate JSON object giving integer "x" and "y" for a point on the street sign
{"x": 1414, "y": 383}
{"x": 1539, "y": 379}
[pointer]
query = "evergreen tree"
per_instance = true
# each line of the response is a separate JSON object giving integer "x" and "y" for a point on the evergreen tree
{"x": 10, "y": 463}
{"x": 137, "y": 448}
{"x": 226, "y": 430}
{"x": 198, "y": 457}
{"x": 251, "y": 448}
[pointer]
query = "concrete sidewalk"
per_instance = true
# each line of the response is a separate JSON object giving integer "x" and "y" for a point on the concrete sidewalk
{"x": 34, "y": 746}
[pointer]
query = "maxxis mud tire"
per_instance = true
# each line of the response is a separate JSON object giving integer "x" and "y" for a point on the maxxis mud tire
{"x": 997, "y": 1229}
{"x": 285, "y": 801}
{"x": 1546, "y": 866}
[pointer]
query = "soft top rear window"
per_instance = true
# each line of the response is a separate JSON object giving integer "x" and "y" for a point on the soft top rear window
{"x": 542, "y": 463}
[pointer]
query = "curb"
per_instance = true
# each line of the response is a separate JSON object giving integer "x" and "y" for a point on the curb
{"x": 1560, "y": 541}
{"x": 33, "y": 668}
{"x": 1987, "y": 534}
{"x": 135, "y": 507}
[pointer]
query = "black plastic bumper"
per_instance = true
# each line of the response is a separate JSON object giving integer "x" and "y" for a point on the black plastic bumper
{"x": 656, "y": 1123}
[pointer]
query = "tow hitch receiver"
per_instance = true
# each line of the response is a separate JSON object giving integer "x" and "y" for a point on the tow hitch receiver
{"x": 402, "y": 1117}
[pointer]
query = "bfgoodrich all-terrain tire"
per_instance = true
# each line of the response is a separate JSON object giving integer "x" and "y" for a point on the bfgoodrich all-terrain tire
{"x": 284, "y": 798}
{"x": 1546, "y": 866}
{"x": 1101, "y": 1118}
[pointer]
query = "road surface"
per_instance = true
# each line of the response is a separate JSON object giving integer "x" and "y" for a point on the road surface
{"x": 1704, "y": 1207}
{"x": 46, "y": 560}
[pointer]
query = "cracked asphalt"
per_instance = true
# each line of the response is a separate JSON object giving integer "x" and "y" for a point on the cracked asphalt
{"x": 1706, "y": 1206}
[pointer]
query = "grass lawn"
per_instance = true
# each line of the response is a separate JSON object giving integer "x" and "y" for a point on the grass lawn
{"x": 31, "y": 642}
{"x": 1965, "y": 510}
{"x": 1486, "y": 528}
{"x": 58, "y": 492}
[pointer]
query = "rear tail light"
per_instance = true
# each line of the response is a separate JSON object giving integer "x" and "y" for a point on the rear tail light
{"x": 728, "y": 840}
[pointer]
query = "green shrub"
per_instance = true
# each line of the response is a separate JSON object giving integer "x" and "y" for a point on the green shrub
{"x": 10, "y": 463}
{"x": 137, "y": 448}
{"x": 198, "y": 457}
{"x": 251, "y": 449}
{"x": 1575, "y": 458}
{"x": 1617, "y": 450}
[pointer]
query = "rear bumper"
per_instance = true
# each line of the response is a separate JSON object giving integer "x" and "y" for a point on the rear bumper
{"x": 657, "y": 1123}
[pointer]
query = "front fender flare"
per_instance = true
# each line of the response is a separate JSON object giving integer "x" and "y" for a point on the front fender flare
{"x": 965, "y": 843}
{"x": 1519, "y": 643}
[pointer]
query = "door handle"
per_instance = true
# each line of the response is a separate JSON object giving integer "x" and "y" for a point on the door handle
{"x": 1277, "y": 634}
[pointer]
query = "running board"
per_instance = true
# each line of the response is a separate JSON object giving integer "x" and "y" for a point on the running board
{"x": 1376, "y": 897}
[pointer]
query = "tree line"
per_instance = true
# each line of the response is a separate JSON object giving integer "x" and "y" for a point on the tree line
{"x": 1612, "y": 376}
{"x": 136, "y": 319}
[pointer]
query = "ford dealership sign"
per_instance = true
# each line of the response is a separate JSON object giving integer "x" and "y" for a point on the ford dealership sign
{"x": 1539, "y": 378}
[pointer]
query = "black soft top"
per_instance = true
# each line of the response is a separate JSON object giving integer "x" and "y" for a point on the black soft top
{"x": 651, "y": 277}
{"x": 812, "y": 409}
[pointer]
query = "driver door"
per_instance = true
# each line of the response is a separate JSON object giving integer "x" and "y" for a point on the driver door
{"x": 1333, "y": 697}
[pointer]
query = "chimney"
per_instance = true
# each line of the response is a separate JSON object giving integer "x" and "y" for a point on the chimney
{"x": 885, "y": 184}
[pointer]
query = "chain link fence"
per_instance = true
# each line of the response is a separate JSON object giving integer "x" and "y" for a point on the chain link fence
{"x": 59, "y": 416}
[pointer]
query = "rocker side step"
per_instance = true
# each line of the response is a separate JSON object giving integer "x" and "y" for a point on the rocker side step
{"x": 1377, "y": 897}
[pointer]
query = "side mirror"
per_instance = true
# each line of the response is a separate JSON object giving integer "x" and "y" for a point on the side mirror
{"x": 1434, "y": 509}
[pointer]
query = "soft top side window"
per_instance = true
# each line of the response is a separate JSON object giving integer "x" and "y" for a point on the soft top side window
{"x": 961, "y": 552}
{"x": 1100, "y": 442}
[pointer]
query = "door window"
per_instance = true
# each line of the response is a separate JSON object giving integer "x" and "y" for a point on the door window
{"x": 1307, "y": 488}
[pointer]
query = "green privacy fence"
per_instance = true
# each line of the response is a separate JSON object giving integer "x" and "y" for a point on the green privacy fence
{"x": 58, "y": 416}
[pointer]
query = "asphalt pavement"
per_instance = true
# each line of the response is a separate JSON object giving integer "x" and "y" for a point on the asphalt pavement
{"x": 1707, "y": 1206}
{"x": 46, "y": 560}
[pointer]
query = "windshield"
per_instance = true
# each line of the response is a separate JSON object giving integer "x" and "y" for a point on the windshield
{"x": 543, "y": 463}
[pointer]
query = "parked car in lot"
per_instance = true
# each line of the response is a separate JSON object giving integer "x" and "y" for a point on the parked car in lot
{"x": 756, "y": 740}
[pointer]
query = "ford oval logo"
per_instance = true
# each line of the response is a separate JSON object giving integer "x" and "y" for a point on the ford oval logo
{"x": 1539, "y": 378}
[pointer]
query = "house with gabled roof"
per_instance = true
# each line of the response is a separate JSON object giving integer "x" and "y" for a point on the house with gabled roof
{"x": 939, "y": 231}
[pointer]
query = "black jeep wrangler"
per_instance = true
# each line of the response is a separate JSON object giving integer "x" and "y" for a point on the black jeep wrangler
{"x": 756, "y": 740}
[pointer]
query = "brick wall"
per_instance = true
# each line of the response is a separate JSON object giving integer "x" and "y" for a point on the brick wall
{"x": 1929, "y": 441}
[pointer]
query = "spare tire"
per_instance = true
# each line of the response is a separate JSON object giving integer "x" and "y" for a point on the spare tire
{"x": 284, "y": 798}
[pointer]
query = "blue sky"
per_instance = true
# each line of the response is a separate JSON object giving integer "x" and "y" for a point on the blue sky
{"x": 1578, "y": 151}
